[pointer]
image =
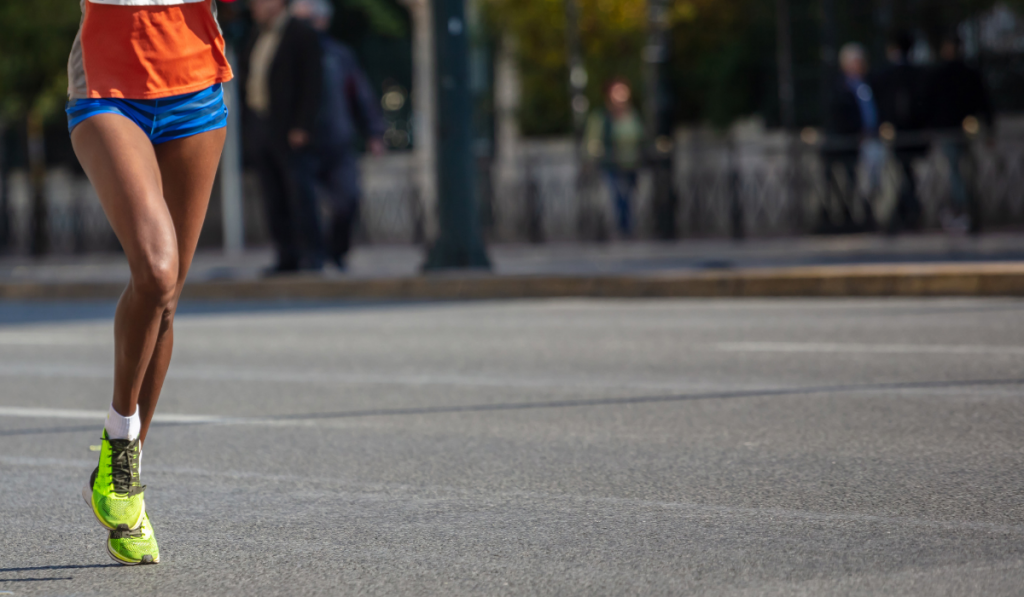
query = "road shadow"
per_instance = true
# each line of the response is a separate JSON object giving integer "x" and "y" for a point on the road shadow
{"x": 551, "y": 404}
{"x": 620, "y": 401}
{"x": 48, "y": 568}
{"x": 68, "y": 567}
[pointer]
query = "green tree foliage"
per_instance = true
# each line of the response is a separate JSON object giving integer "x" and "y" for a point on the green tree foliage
{"x": 35, "y": 40}
{"x": 723, "y": 51}
{"x": 612, "y": 34}
{"x": 719, "y": 52}
{"x": 722, "y": 58}
{"x": 383, "y": 17}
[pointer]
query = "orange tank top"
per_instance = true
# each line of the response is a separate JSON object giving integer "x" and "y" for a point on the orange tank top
{"x": 146, "y": 49}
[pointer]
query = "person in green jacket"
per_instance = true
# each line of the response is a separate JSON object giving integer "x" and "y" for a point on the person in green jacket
{"x": 614, "y": 138}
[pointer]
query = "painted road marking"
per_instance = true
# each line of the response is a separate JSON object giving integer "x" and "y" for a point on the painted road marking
{"x": 334, "y": 418}
{"x": 392, "y": 378}
{"x": 835, "y": 347}
{"x": 93, "y": 415}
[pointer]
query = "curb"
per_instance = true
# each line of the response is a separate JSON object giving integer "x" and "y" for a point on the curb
{"x": 906, "y": 280}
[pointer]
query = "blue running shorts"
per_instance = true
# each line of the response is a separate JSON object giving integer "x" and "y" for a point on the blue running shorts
{"x": 163, "y": 119}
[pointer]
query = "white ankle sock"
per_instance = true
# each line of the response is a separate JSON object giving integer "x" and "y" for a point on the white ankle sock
{"x": 119, "y": 427}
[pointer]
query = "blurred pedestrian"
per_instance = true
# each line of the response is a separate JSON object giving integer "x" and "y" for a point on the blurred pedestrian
{"x": 853, "y": 135}
{"x": 349, "y": 108}
{"x": 900, "y": 95}
{"x": 280, "y": 86}
{"x": 614, "y": 138}
{"x": 960, "y": 104}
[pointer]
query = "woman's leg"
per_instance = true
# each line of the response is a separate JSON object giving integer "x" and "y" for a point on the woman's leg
{"x": 122, "y": 165}
{"x": 188, "y": 167}
{"x": 158, "y": 224}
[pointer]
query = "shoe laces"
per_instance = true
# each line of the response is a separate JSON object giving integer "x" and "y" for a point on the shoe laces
{"x": 124, "y": 466}
{"x": 123, "y": 532}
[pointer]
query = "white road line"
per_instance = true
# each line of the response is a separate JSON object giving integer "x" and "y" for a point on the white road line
{"x": 252, "y": 375}
{"x": 346, "y": 418}
{"x": 830, "y": 347}
{"x": 50, "y": 413}
{"x": 46, "y": 338}
{"x": 99, "y": 415}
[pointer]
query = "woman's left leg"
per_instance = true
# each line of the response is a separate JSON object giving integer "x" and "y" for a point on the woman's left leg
{"x": 188, "y": 167}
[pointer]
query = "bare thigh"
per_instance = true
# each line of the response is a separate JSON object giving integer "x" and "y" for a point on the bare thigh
{"x": 122, "y": 165}
{"x": 189, "y": 167}
{"x": 155, "y": 197}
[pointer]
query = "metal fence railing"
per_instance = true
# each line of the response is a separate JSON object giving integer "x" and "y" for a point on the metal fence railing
{"x": 796, "y": 188}
{"x": 723, "y": 186}
{"x": 766, "y": 187}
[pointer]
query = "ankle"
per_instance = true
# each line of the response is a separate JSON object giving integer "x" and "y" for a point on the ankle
{"x": 119, "y": 426}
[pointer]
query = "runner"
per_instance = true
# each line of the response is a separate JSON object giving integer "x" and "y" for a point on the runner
{"x": 147, "y": 120}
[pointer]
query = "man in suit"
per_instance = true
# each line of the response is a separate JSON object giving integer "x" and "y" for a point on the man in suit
{"x": 900, "y": 95}
{"x": 280, "y": 78}
{"x": 350, "y": 109}
{"x": 852, "y": 135}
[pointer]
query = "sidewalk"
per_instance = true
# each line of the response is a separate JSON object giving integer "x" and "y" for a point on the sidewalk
{"x": 925, "y": 265}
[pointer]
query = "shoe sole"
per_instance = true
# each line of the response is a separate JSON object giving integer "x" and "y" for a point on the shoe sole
{"x": 87, "y": 496}
{"x": 117, "y": 559}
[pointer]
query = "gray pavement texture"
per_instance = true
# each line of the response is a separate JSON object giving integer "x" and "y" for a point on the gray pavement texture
{"x": 632, "y": 258}
{"x": 558, "y": 447}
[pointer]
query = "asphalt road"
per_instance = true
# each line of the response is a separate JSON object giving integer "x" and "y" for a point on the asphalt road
{"x": 562, "y": 447}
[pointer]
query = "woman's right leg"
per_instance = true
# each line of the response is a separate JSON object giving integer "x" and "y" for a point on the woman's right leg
{"x": 121, "y": 164}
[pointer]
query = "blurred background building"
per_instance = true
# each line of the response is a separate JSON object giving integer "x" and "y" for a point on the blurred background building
{"x": 733, "y": 96}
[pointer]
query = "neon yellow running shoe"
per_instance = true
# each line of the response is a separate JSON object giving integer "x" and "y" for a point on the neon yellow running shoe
{"x": 114, "y": 492}
{"x": 132, "y": 548}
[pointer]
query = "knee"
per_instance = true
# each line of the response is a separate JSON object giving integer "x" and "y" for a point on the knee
{"x": 156, "y": 281}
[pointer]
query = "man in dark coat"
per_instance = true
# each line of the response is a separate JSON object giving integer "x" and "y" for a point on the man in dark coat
{"x": 350, "y": 108}
{"x": 852, "y": 128}
{"x": 900, "y": 95}
{"x": 957, "y": 90}
{"x": 960, "y": 104}
{"x": 280, "y": 79}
